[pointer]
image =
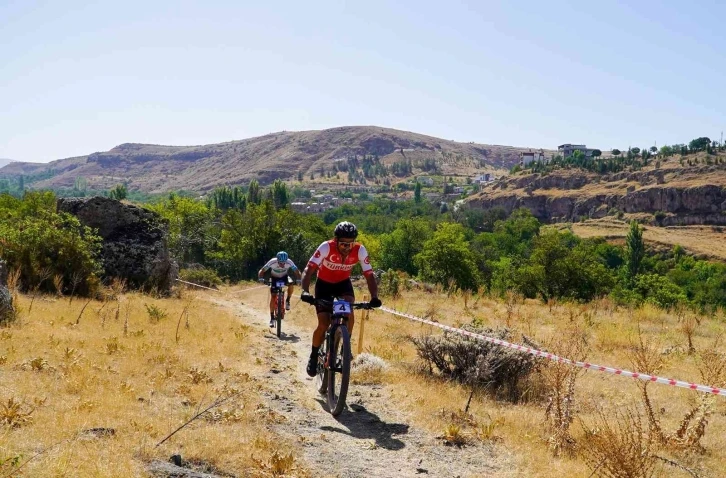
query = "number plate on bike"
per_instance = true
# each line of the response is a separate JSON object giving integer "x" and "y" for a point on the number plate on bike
{"x": 280, "y": 283}
{"x": 341, "y": 307}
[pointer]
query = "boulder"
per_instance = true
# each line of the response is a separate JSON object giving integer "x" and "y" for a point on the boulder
{"x": 134, "y": 241}
{"x": 7, "y": 311}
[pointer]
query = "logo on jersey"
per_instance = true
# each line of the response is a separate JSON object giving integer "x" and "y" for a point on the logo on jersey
{"x": 337, "y": 267}
{"x": 367, "y": 260}
{"x": 334, "y": 258}
{"x": 317, "y": 254}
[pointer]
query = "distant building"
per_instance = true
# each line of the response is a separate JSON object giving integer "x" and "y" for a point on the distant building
{"x": 567, "y": 150}
{"x": 529, "y": 156}
{"x": 484, "y": 178}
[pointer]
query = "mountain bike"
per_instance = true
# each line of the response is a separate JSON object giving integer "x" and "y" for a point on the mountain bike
{"x": 334, "y": 355}
{"x": 278, "y": 287}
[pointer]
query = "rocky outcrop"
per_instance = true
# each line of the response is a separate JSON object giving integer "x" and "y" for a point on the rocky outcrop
{"x": 7, "y": 311}
{"x": 134, "y": 241}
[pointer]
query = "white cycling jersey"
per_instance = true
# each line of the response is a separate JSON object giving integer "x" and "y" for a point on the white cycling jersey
{"x": 277, "y": 270}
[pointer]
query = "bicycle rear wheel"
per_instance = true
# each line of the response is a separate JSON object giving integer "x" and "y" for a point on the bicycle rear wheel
{"x": 339, "y": 370}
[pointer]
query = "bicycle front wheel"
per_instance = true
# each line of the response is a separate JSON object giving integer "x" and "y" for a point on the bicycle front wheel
{"x": 321, "y": 379}
{"x": 280, "y": 311}
{"x": 338, "y": 370}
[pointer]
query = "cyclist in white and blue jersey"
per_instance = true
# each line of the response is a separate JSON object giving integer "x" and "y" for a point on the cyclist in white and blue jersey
{"x": 280, "y": 267}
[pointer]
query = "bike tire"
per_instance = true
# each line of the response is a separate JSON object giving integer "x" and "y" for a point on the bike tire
{"x": 339, "y": 370}
{"x": 280, "y": 311}
{"x": 321, "y": 379}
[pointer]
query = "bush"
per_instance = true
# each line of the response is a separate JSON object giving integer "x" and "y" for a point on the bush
{"x": 480, "y": 364}
{"x": 659, "y": 290}
{"x": 390, "y": 285}
{"x": 201, "y": 276}
{"x": 43, "y": 244}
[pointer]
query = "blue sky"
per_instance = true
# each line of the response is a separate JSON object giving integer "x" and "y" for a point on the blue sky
{"x": 78, "y": 77}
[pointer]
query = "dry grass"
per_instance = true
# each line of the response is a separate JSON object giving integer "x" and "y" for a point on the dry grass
{"x": 94, "y": 397}
{"x": 66, "y": 385}
{"x": 702, "y": 240}
{"x": 536, "y": 430}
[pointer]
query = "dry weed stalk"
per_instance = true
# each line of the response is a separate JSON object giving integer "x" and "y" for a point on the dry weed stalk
{"x": 688, "y": 324}
{"x": 645, "y": 357}
{"x": 76, "y": 278}
{"x": 712, "y": 367}
{"x": 617, "y": 446}
{"x": 58, "y": 284}
{"x": 560, "y": 379}
{"x": 78, "y": 320}
{"x": 512, "y": 302}
{"x": 185, "y": 312}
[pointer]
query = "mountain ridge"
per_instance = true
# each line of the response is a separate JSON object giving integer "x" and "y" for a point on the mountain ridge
{"x": 284, "y": 155}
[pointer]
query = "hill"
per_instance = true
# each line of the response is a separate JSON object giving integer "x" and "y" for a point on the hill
{"x": 4, "y": 161}
{"x": 285, "y": 155}
{"x": 674, "y": 191}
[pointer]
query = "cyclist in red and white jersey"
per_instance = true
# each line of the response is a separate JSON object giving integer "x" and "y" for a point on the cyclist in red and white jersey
{"x": 333, "y": 261}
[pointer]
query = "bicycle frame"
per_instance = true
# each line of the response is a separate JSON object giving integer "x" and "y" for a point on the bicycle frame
{"x": 278, "y": 287}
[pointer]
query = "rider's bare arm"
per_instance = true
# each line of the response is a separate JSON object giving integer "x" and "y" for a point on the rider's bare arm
{"x": 306, "y": 276}
{"x": 372, "y": 286}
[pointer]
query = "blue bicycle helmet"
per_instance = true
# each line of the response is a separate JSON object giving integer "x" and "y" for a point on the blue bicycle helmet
{"x": 282, "y": 256}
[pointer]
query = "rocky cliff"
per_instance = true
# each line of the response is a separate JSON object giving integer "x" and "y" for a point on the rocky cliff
{"x": 670, "y": 195}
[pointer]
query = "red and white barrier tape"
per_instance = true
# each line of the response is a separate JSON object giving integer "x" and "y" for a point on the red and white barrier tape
{"x": 555, "y": 358}
{"x": 216, "y": 290}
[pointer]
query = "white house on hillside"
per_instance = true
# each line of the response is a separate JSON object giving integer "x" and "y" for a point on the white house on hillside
{"x": 527, "y": 157}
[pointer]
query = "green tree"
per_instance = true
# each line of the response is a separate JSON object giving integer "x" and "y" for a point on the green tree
{"x": 635, "y": 250}
{"x": 118, "y": 192}
{"x": 447, "y": 259}
{"x": 699, "y": 144}
{"x": 653, "y": 149}
{"x": 399, "y": 248}
{"x": 192, "y": 228}
{"x": 417, "y": 193}
{"x": 254, "y": 195}
{"x": 596, "y": 153}
{"x": 279, "y": 194}
{"x": 615, "y": 152}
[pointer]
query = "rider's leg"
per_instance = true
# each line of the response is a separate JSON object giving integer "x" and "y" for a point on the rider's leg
{"x": 290, "y": 289}
{"x": 273, "y": 302}
{"x": 319, "y": 334}
{"x": 318, "y": 337}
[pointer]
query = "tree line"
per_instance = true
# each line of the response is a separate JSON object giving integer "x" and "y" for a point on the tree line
{"x": 231, "y": 233}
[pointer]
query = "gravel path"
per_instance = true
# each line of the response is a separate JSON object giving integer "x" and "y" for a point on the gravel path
{"x": 371, "y": 438}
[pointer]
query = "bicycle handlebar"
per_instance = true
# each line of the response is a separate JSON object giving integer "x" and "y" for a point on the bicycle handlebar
{"x": 354, "y": 305}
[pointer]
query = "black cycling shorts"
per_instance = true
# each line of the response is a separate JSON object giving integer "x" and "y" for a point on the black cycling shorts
{"x": 330, "y": 290}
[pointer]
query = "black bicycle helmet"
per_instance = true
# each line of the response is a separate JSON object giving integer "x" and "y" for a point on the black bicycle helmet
{"x": 346, "y": 229}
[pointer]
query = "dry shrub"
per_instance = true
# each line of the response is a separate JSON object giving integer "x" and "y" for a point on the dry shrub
{"x": 15, "y": 414}
{"x": 479, "y": 364}
{"x": 454, "y": 436}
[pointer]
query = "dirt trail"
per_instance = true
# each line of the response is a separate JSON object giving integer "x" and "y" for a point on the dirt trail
{"x": 372, "y": 437}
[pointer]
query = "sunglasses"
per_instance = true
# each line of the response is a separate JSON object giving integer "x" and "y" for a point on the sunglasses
{"x": 345, "y": 244}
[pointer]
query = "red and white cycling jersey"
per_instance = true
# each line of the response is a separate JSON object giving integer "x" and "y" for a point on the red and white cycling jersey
{"x": 331, "y": 266}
